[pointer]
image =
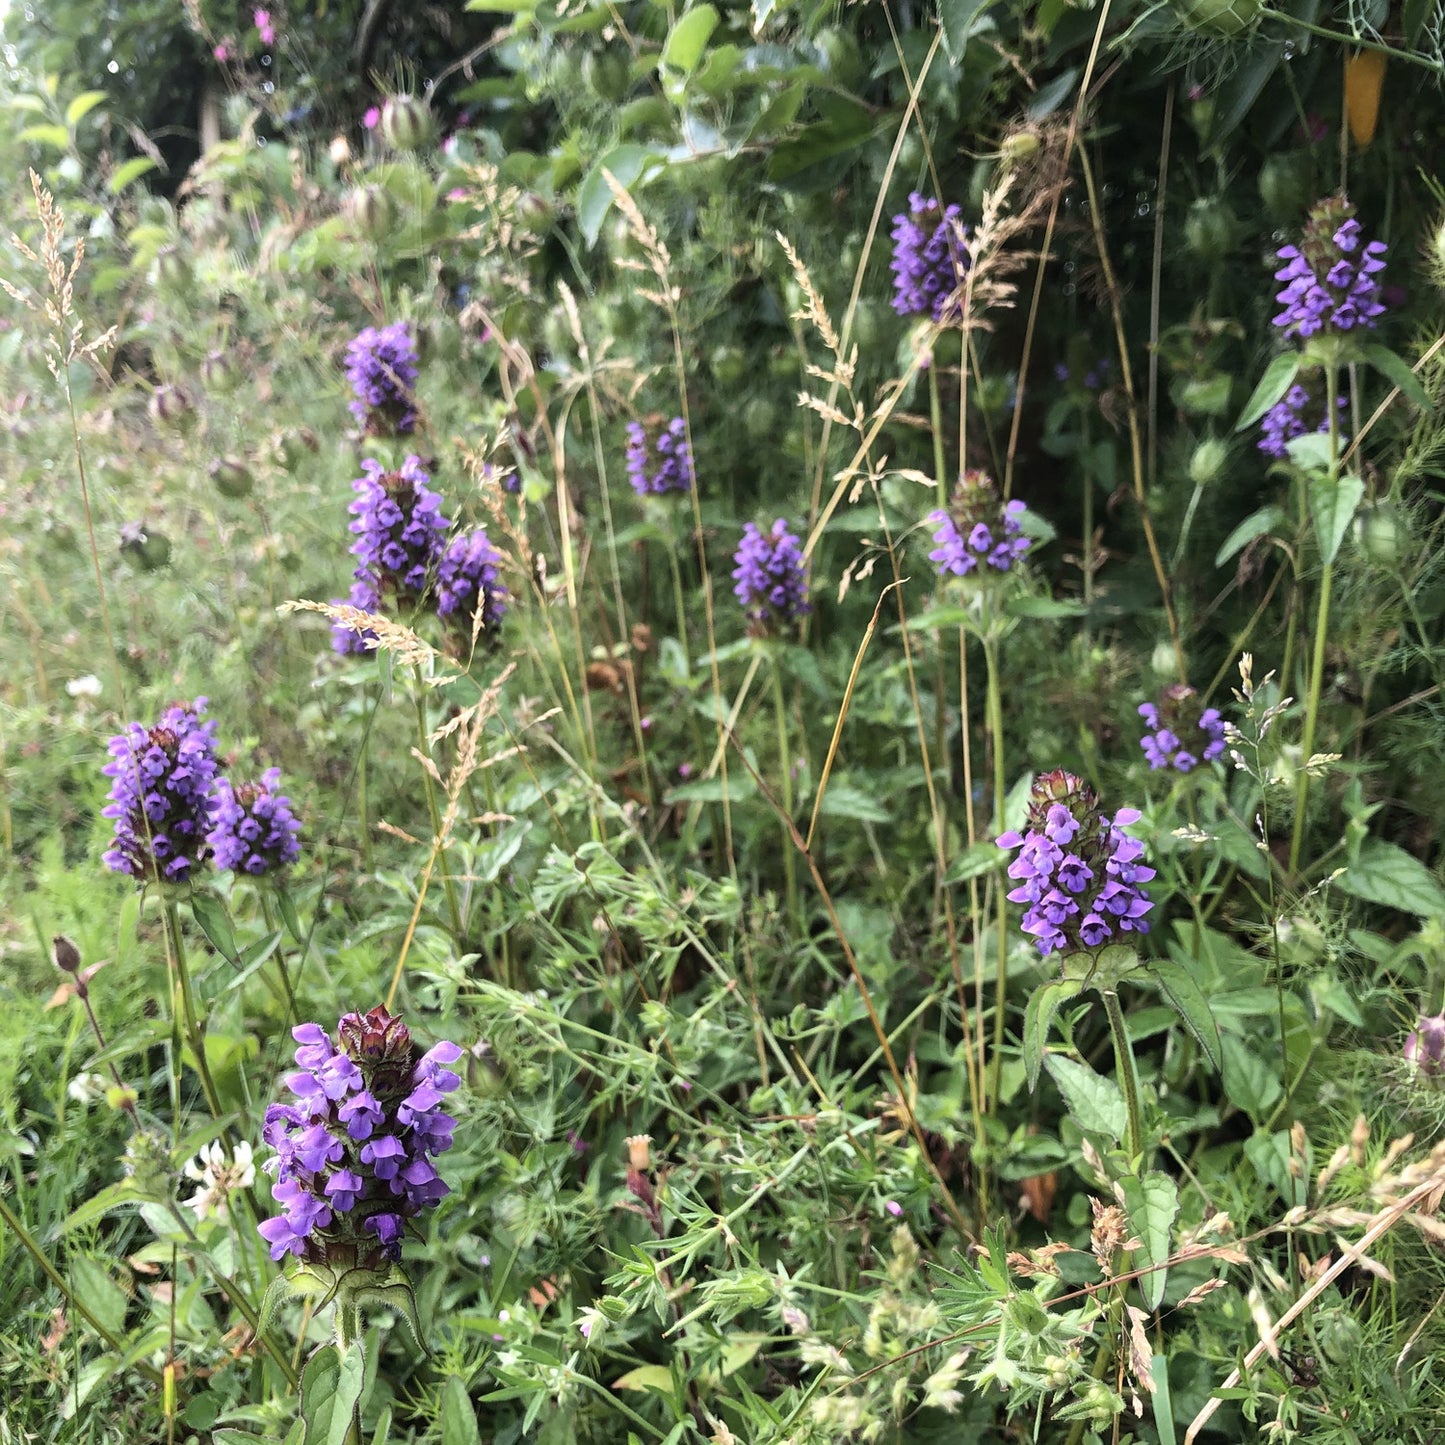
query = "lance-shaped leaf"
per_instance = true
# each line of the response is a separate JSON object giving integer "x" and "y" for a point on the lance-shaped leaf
{"x": 331, "y": 1384}
{"x": 1047, "y": 999}
{"x": 1151, "y": 1204}
{"x": 1177, "y": 985}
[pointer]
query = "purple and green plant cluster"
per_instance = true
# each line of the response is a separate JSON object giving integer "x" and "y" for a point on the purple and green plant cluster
{"x": 978, "y": 530}
{"x": 770, "y": 577}
{"x": 381, "y": 365}
{"x": 354, "y": 1150}
{"x": 659, "y": 464}
{"x": 1181, "y": 732}
{"x": 930, "y": 259}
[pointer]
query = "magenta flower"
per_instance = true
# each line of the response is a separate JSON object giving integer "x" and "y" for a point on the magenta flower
{"x": 265, "y": 26}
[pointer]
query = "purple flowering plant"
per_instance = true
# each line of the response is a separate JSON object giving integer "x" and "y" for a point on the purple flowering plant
{"x": 978, "y": 531}
{"x": 1331, "y": 281}
{"x": 354, "y": 1163}
{"x": 381, "y": 365}
{"x": 1181, "y": 734}
{"x": 254, "y": 830}
{"x": 770, "y": 577}
{"x": 400, "y": 533}
{"x": 469, "y": 591}
{"x": 160, "y": 796}
{"x": 660, "y": 462}
{"x": 930, "y": 259}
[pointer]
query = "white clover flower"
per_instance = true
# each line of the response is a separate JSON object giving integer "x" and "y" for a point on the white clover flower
{"x": 87, "y": 1088}
{"x": 218, "y": 1177}
{"x": 87, "y": 686}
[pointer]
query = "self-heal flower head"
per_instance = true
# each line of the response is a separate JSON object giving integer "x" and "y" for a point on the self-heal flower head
{"x": 347, "y": 641}
{"x": 255, "y": 830}
{"x": 929, "y": 259}
{"x": 1331, "y": 283}
{"x": 1181, "y": 734}
{"x": 1425, "y": 1045}
{"x": 1078, "y": 873}
{"x": 1294, "y": 416}
{"x": 160, "y": 796}
{"x": 400, "y": 533}
{"x": 467, "y": 582}
{"x": 660, "y": 464}
{"x": 977, "y": 530}
{"x": 381, "y": 367}
{"x": 771, "y": 578}
{"x": 353, "y": 1152}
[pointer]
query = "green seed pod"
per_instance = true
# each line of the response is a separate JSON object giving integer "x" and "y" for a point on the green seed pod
{"x": 1210, "y": 229}
{"x": 372, "y": 211}
{"x": 1285, "y": 186}
{"x": 1207, "y": 461}
{"x": 406, "y": 122}
{"x": 1205, "y": 395}
{"x": 1382, "y": 534}
{"x": 231, "y": 478}
{"x": 1018, "y": 147}
{"x": 145, "y": 550}
{"x": 1220, "y": 18}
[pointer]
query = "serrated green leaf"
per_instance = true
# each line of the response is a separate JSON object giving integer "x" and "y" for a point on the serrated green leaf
{"x": 1095, "y": 1103}
{"x": 1179, "y": 987}
{"x": 1386, "y": 874}
{"x": 82, "y": 106}
{"x": 1396, "y": 370}
{"x": 113, "y": 1196}
{"x": 1254, "y": 525}
{"x": 1333, "y": 501}
{"x": 687, "y": 40}
{"x": 128, "y": 171}
{"x": 98, "y": 1292}
{"x": 458, "y": 1416}
{"x": 331, "y": 1384}
{"x": 1151, "y": 1204}
{"x": 1278, "y": 377}
{"x": 1046, "y": 1001}
{"x": 396, "y": 1293}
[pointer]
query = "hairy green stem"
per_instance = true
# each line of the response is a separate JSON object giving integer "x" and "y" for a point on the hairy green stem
{"x": 190, "y": 1019}
{"x": 1128, "y": 1075}
{"x": 994, "y": 704}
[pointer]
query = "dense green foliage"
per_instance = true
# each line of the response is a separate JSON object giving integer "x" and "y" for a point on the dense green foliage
{"x": 658, "y": 873}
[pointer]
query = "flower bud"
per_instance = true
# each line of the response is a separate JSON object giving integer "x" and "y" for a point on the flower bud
{"x": 1019, "y": 146}
{"x": 66, "y": 954}
{"x": 406, "y": 122}
{"x": 339, "y": 150}
{"x": 372, "y": 211}
{"x": 1381, "y": 534}
{"x": 231, "y": 478}
{"x": 145, "y": 550}
{"x": 639, "y": 1152}
{"x": 1209, "y": 229}
{"x": 1284, "y": 185}
{"x": 170, "y": 406}
{"x": 1163, "y": 660}
{"x": 1207, "y": 460}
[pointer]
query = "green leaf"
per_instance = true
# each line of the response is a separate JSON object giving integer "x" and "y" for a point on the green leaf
{"x": 594, "y": 196}
{"x": 123, "y": 1191}
{"x": 688, "y": 39}
{"x": 1151, "y": 1204}
{"x": 98, "y": 1292}
{"x": 842, "y": 800}
{"x": 47, "y": 134}
{"x": 1278, "y": 377}
{"x": 505, "y": 7}
{"x": 128, "y": 171}
{"x": 974, "y": 862}
{"x": 1332, "y": 504}
{"x": 1417, "y": 12}
{"x": 1043, "y": 607}
{"x": 1396, "y": 370}
{"x": 1266, "y": 519}
{"x": 1046, "y": 1001}
{"x": 1095, "y": 1102}
{"x": 1250, "y": 1083}
{"x": 459, "y": 1417}
{"x": 210, "y": 913}
{"x": 82, "y": 106}
{"x": 1388, "y": 875}
{"x": 1179, "y": 987}
{"x": 330, "y": 1387}
{"x": 288, "y": 915}
{"x": 956, "y": 19}
{"x": 656, "y": 1378}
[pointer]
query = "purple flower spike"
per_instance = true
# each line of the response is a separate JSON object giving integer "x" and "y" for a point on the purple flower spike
{"x": 160, "y": 798}
{"x": 255, "y": 830}
{"x": 381, "y": 367}
{"x": 771, "y": 578}
{"x": 1181, "y": 733}
{"x": 977, "y": 530}
{"x": 1089, "y": 895}
{"x": 467, "y": 582}
{"x": 930, "y": 258}
{"x": 1293, "y": 416}
{"x": 1331, "y": 283}
{"x": 1425, "y": 1046}
{"x": 400, "y": 533}
{"x": 353, "y": 1154}
{"x": 662, "y": 463}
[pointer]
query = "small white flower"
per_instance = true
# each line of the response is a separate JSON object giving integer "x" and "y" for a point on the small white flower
{"x": 87, "y": 686}
{"x": 87, "y": 1088}
{"x": 218, "y": 1177}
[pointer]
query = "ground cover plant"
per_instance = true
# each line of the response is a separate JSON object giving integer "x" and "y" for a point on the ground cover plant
{"x": 721, "y": 722}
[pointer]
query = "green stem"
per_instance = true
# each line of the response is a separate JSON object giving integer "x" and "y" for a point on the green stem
{"x": 1128, "y": 1076}
{"x": 73, "y": 1302}
{"x": 780, "y": 710}
{"x": 269, "y": 916}
{"x": 448, "y": 887}
{"x": 935, "y": 416}
{"x": 190, "y": 1019}
{"x": 994, "y": 705}
{"x": 1322, "y": 622}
